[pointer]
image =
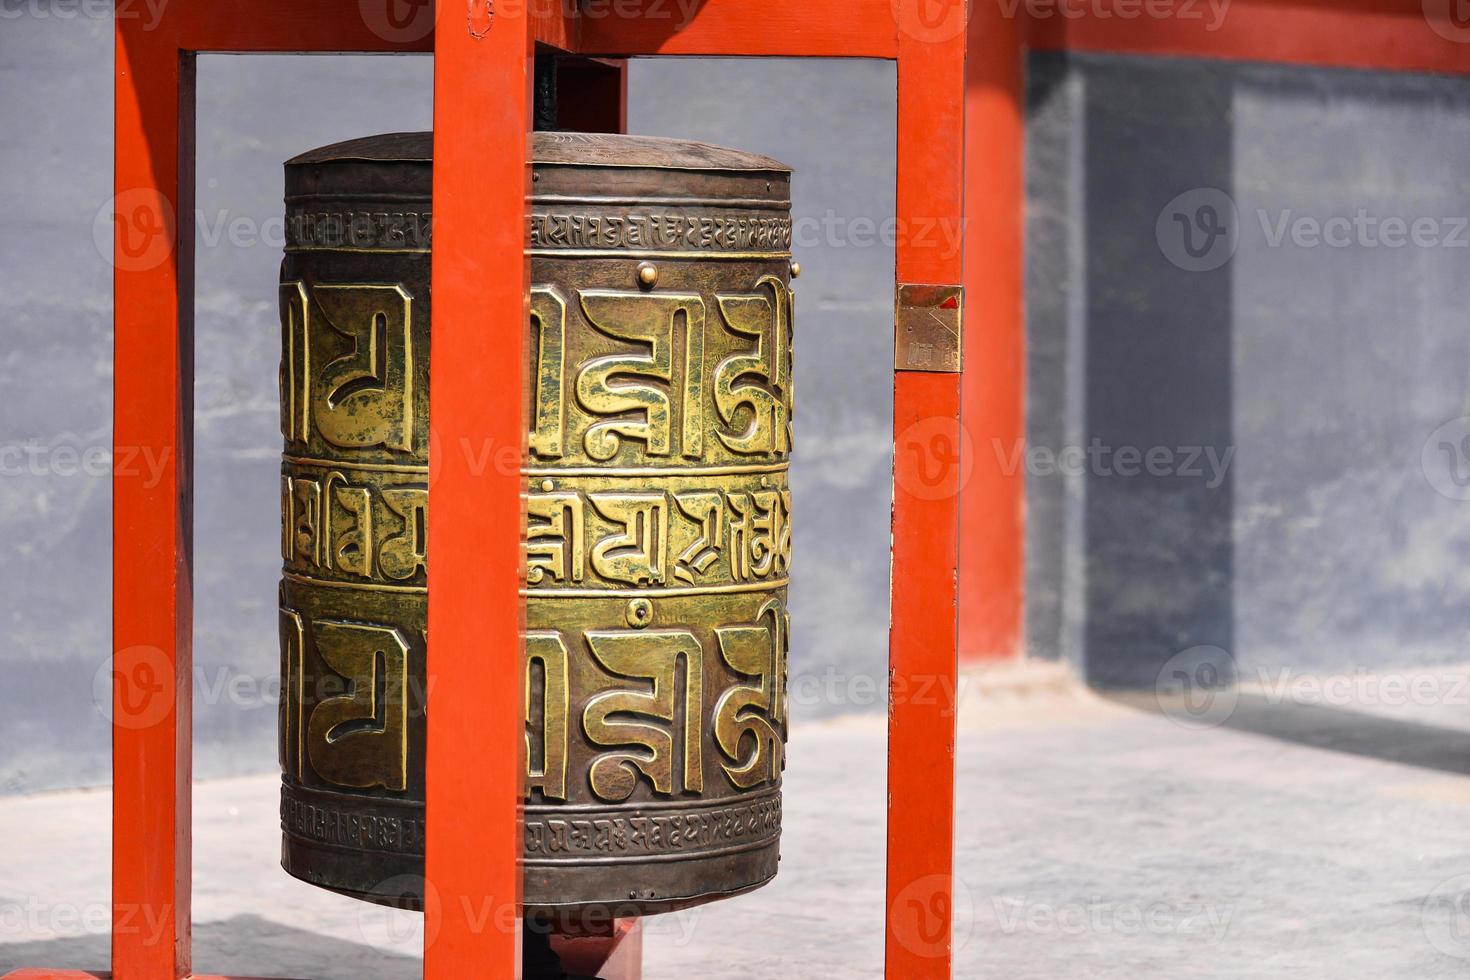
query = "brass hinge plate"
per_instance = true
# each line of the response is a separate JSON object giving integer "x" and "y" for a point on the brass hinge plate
{"x": 929, "y": 328}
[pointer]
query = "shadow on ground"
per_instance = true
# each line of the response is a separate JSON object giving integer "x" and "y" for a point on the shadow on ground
{"x": 1332, "y": 728}
{"x": 246, "y": 945}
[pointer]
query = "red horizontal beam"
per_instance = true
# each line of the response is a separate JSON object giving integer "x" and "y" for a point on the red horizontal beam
{"x": 554, "y": 23}
{"x": 1391, "y": 35}
{"x": 1402, "y": 35}
{"x": 813, "y": 28}
{"x": 737, "y": 28}
{"x": 304, "y": 26}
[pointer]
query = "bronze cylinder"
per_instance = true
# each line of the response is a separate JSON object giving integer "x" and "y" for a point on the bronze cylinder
{"x": 658, "y": 537}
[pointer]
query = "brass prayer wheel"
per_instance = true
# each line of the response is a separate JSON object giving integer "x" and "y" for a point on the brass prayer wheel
{"x": 658, "y": 537}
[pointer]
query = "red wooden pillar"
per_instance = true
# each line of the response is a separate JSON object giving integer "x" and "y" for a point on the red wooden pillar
{"x": 927, "y": 476}
{"x": 482, "y": 103}
{"x": 152, "y": 520}
{"x": 992, "y": 498}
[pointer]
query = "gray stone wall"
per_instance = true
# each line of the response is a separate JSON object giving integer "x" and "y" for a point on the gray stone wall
{"x": 255, "y": 112}
{"x": 1257, "y": 273}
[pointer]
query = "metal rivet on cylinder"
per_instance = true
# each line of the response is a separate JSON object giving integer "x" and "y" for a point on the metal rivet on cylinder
{"x": 547, "y": 486}
{"x": 796, "y": 270}
{"x": 639, "y": 613}
{"x": 647, "y": 274}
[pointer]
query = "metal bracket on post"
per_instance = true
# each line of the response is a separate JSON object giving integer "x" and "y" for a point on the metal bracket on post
{"x": 929, "y": 328}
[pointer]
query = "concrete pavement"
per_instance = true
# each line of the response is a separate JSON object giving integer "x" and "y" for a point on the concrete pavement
{"x": 1097, "y": 839}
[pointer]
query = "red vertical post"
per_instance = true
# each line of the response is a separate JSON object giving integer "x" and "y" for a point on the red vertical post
{"x": 482, "y": 103}
{"x": 152, "y": 520}
{"x": 992, "y": 501}
{"x": 927, "y": 471}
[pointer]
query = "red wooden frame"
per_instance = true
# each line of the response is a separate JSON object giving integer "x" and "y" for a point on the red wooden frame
{"x": 960, "y": 130}
{"x": 1391, "y": 35}
{"x": 482, "y": 79}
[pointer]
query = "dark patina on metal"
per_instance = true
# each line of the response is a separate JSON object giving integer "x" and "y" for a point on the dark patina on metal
{"x": 658, "y": 539}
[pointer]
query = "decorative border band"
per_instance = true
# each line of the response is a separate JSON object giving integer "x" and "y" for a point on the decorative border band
{"x": 666, "y": 231}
